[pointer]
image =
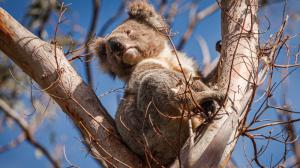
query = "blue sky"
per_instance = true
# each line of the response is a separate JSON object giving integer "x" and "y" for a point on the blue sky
{"x": 80, "y": 13}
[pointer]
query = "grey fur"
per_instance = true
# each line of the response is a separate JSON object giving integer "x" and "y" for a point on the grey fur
{"x": 152, "y": 117}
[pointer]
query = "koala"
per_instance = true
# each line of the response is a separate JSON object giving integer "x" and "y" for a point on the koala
{"x": 163, "y": 86}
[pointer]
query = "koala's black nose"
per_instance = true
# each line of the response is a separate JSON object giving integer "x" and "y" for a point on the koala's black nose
{"x": 115, "y": 45}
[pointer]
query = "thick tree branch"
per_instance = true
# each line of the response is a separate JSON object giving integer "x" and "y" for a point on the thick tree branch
{"x": 48, "y": 66}
{"x": 239, "y": 59}
{"x": 237, "y": 74}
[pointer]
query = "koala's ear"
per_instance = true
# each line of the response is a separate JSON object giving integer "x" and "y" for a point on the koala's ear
{"x": 144, "y": 12}
{"x": 98, "y": 47}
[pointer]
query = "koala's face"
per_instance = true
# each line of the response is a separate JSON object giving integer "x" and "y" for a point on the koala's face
{"x": 127, "y": 45}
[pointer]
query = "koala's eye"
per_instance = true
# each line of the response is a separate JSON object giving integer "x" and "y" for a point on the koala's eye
{"x": 128, "y": 32}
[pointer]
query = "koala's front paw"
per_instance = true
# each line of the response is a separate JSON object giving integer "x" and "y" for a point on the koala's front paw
{"x": 209, "y": 101}
{"x": 209, "y": 107}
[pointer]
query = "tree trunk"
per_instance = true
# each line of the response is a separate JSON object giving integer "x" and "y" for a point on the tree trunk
{"x": 237, "y": 75}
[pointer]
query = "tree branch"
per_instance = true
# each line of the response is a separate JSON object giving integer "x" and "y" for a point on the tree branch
{"x": 237, "y": 74}
{"x": 47, "y": 66}
{"x": 26, "y": 129}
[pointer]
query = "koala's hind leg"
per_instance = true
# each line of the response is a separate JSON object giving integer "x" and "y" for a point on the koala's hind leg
{"x": 200, "y": 93}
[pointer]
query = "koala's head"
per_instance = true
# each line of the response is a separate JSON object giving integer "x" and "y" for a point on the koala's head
{"x": 137, "y": 38}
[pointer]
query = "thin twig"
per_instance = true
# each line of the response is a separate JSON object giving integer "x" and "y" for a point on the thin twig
{"x": 25, "y": 128}
{"x": 194, "y": 20}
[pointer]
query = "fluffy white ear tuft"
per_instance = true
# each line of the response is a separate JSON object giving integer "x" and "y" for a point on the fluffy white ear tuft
{"x": 144, "y": 12}
{"x": 98, "y": 47}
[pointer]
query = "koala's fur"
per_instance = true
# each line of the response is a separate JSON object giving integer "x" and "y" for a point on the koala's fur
{"x": 152, "y": 117}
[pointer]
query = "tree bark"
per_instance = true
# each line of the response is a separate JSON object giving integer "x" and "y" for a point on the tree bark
{"x": 237, "y": 74}
{"x": 46, "y": 64}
